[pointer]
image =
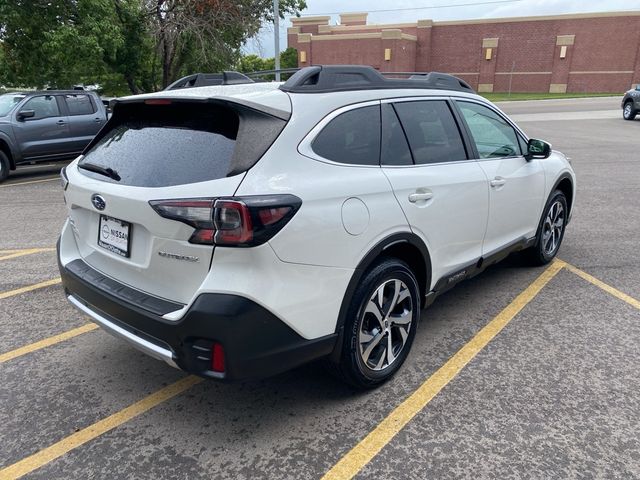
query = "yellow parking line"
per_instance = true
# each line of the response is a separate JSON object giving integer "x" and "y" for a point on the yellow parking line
{"x": 600, "y": 284}
{"x": 30, "y": 181}
{"x": 29, "y": 288}
{"x": 87, "y": 434}
{"x": 47, "y": 342}
{"x": 349, "y": 465}
{"x": 15, "y": 250}
{"x": 20, "y": 253}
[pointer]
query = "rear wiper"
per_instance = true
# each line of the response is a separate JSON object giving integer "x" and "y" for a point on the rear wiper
{"x": 107, "y": 172}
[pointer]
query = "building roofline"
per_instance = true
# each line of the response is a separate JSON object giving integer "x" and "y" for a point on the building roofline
{"x": 533, "y": 18}
{"x": 308, "y": 37}
{"x": 322, "y": 20}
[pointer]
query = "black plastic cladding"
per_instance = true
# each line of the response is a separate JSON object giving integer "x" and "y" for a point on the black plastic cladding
{"x": 339, "y": 78}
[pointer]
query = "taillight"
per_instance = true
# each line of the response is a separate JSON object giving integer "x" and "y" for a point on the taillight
{"x": 232, "y": 222}
{"x": 196, "y": 212}
{"x": 64, "y": 180}
{"x": 158, "y": 101}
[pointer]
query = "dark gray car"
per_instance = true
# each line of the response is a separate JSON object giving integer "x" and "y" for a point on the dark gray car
{"x": 631, "y": 103}
{"x": 47, "y": 126}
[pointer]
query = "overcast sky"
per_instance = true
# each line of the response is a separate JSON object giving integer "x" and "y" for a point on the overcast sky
{"x": 434, "y": 9}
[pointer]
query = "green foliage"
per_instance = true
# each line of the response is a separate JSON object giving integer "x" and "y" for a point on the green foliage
{"x": 125, "y": 45}
{"x": 254, "y": 63}
{"x": 289, "y": 58}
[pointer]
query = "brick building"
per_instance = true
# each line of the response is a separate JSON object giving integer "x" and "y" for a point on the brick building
{"x": 598, "y": 52}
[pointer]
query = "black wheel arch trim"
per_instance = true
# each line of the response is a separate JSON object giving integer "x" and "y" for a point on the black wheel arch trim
{"x": 366, "y": 262}
{"x": 12, "y": 153}
{"x": 561, "y": 178}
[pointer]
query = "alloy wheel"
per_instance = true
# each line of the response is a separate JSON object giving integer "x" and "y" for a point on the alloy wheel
{"x": 552, "y": 228}
{"x": 385, "y": 324}
{"x": 627, "y": 110}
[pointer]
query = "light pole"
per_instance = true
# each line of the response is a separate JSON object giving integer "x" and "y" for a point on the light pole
{"x": 276, "y": 34}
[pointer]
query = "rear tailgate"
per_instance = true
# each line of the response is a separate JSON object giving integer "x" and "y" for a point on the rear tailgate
{"x": 150, "y": 152}
{"x": 160, "y": 261}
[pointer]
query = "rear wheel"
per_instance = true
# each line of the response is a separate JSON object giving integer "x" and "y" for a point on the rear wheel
{"x": 550, "y": 231}
{"x": 381, "y": 324}
{"x": 4, "y": 166}
{"x": 628, "y": 112}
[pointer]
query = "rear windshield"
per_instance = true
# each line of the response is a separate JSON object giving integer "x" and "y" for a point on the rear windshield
{"x": 164, "y": 145}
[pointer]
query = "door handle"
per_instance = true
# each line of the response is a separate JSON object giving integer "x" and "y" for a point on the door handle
{"x": 498, "y": 182}
{"x": 61, "y": 122}
{"x": 97, "y": 120}
{"x": 420, "y": 197}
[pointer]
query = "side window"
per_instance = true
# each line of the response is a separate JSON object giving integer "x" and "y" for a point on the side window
{"x": 44, "y": 107}
{"x": 492, "y": 134}
{"x": 79, "y": 104}
{"x": 352, "y": 137}
{"x": 432, "y": 131}
{"x": 394, "y": 147}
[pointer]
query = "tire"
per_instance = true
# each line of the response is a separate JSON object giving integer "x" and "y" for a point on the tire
{"x": 628, "y": 112}
{"x": 550, "y": 231}
{"x": 385, "y": 309}
{"x": 4, "y": 166}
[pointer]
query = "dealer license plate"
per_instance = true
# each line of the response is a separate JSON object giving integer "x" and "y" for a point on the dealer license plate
{"x": 114, "y": 235}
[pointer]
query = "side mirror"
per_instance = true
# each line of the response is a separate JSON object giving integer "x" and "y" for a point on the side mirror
{"x": 538, "y": 149}
{"x": 22, "y": 114}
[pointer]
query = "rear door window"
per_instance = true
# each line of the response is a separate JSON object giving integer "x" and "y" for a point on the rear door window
{"x": 79, "y": 104}
{"x": 394, "y": 147}
{"x": 353, "y": 137}
{"x": 432, "y": 131}
{"x": 164, "y": 145}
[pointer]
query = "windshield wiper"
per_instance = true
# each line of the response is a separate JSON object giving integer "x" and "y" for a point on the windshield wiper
{"x": 107, "y": 172}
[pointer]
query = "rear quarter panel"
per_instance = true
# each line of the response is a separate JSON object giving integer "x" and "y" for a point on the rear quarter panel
{"x": 345, "y": 210}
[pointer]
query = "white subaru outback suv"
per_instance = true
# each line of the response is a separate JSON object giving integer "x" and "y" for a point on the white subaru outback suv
{"x": 238, "y": 231}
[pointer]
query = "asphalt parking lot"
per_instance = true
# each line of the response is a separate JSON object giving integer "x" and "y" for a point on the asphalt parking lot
{"x": 518, "y": 373}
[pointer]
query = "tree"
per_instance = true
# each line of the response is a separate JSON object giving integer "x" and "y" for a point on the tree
{"x": 207, "y": 33}
{"x": 254, "y": 63}
{"x": 134, "y": 45}
{"x": 59, "y": 43}
{"x": 289, "y": 58}
{"x": 251, "y": 63}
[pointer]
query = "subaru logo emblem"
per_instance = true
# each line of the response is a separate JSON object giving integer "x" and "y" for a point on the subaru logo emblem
{"x": 98, "y": 201}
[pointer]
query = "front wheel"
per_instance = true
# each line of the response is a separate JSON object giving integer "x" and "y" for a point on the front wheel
{"x": 628, "y": 112}
{"x": 4, "y": 166}
{"x": 551, "y": 230}
{"x": 380, "y": 325}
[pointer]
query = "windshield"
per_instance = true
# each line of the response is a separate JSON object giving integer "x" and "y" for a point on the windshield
{"x": 8, "y": 101}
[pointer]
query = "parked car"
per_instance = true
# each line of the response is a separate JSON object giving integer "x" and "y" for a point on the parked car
{"x": 631, "y": 103}
{"x": 46, "y": 126}
{"x": 239, "y": 231}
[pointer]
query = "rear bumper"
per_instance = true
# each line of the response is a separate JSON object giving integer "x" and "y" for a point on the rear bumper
{"x": 256, "y": 343}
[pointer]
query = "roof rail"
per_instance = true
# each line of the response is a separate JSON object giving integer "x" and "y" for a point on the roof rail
{"x": 206, "y": 79}
{"x": 258, "y": 73}
{"x": 340, "y": 78}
